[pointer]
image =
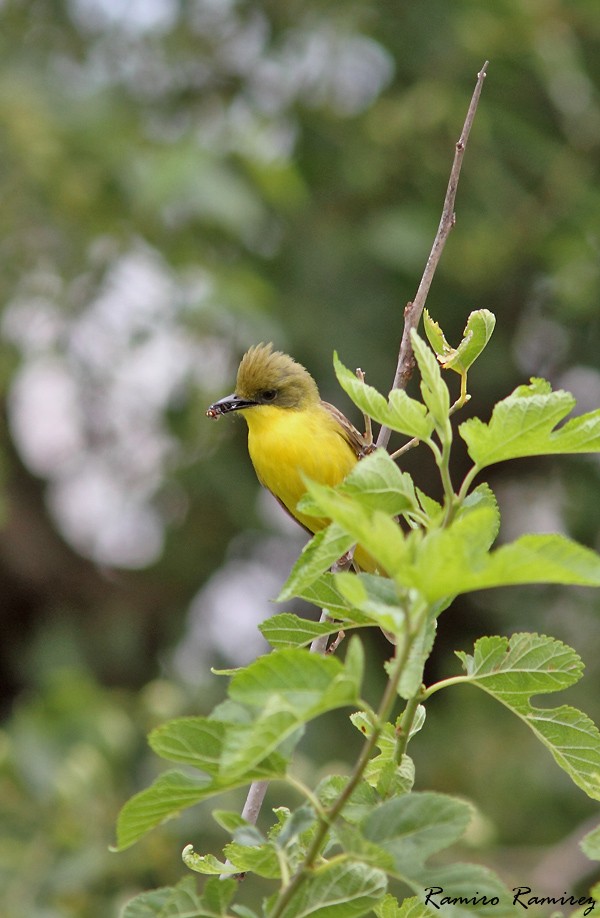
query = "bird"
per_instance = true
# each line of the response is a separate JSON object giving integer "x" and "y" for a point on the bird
{"x": 293, "y": 433}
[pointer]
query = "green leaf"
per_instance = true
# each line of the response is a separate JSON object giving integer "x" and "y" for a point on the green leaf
{"x": 436, "y": 336}
{"x": 196, "y": 741}
{"x": 533, "y": 664}
{"x": 383, "y": 772}
{"x": 431, "y": 507}
{"x": 206, "y": 864}
{"x": 587, "y": 903}
{"x": 408, "y": 416}
{"x": 346, "y": 889}
{"x": 306, "y": 683}
{"x": 375, "y": 531}
{"x": 259, "y": 859}
{"x": 433, "y": 388}
{"x": 368, "y": 399}
{"x": 413, "y": 907}
{"x": 455, "y": 560}
{"x": 286, "y": 689}
{"x": 170, "y": 793}
{"x": 376, "y": 597}
{"x": 476, "y": 335}
{"x": 523, "y": 424}
{"x": 412, "y": 674}
{"x": 362, "y": 799}
{"x": 230, "y": 820}
{"x": 293, "y": 826}
{"x": 182, "y": 901}
{"x": 323, "y": 550}
{"x": 288, "y": 630}
{"x": 325, "y": 594}
{"x": 173, "y": 792}
{"x": 402, "y": 414}
{"x": 590, "y": 844}
{"x": 377, "y": 482}
{"x": 416, "y": 826}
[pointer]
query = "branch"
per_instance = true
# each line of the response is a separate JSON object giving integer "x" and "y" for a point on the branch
{"x": 412, "y": 316}
{"x": 414, "y": 310}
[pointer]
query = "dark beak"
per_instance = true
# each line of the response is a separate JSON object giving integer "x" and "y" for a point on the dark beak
{"x": 227, "y": 404}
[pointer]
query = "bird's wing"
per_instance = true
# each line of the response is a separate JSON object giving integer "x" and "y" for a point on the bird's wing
{"x": 353, "y": 437}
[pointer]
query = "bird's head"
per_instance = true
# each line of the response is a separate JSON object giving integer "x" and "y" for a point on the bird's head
{"x": 268, "y": 377}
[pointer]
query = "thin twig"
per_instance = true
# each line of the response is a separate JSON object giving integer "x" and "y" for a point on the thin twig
{"x": 414, "y": 310}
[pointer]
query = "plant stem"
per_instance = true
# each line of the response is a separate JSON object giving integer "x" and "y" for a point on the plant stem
{"x": 383, "y": 714}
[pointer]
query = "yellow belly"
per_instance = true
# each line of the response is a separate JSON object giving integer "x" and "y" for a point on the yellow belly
{"x": 284, "y": 444}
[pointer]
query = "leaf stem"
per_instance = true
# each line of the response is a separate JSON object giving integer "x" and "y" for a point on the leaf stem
{"x": 443, "y": 683}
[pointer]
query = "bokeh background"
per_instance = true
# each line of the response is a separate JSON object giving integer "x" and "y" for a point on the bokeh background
{"x": 180, "y": 179}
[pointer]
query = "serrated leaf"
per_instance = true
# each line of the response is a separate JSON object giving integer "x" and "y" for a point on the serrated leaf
{"x": 412, "y": 674}
{"x": 590, "y": 844}
{"x": 455, "y": 560}
{"x": 368, "y": 399}
{"x": 303, "y": 682}
{"x": 532, "y": 664}
{"x": 288, "y": 630}
{"x": 292, "y": 825}
{"x": 325, "y": 594}
{"x": 376, "y": 532}
{"x": 230, "y": 820}
{"x": 476, "y": 335}
{"x": 413, "y": 907}
{"x": 465, "y": 890}
{"x": 408, "y": 416}
{"x": 403, "y": 414}
{"x": 323, "y": 550}
{"x": 376, "y": 597}
{"x": 196, "y": 741}
{"x": 170, "y": 793}
{"x": 380, "y": 485}
{"x": 383, "y": 772}
{"x": 206, "y": 864}
{"x": 260, "y": 859}
{"x": 287, "y": 689}
{"x": 345, "y": 889}
{"x": 182, "y": 901}
{"x": 436, "y": 336}
{"x": 433, "y": 388}
{"x": 524, "y": 424}
{"x": 362, "y": 799}
{"x": 173, "y": 792}
{"x": 431, "y": 507}
{"x": 414, "y": 827}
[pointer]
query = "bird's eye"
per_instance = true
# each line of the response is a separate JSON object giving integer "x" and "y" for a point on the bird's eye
{"x": 268, "y": 395}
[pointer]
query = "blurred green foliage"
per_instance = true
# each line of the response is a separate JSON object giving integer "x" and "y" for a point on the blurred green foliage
{"x": 181, "y": 180}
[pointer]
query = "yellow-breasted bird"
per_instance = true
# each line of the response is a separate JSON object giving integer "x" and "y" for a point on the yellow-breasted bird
{"x": 292, "y": 432}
